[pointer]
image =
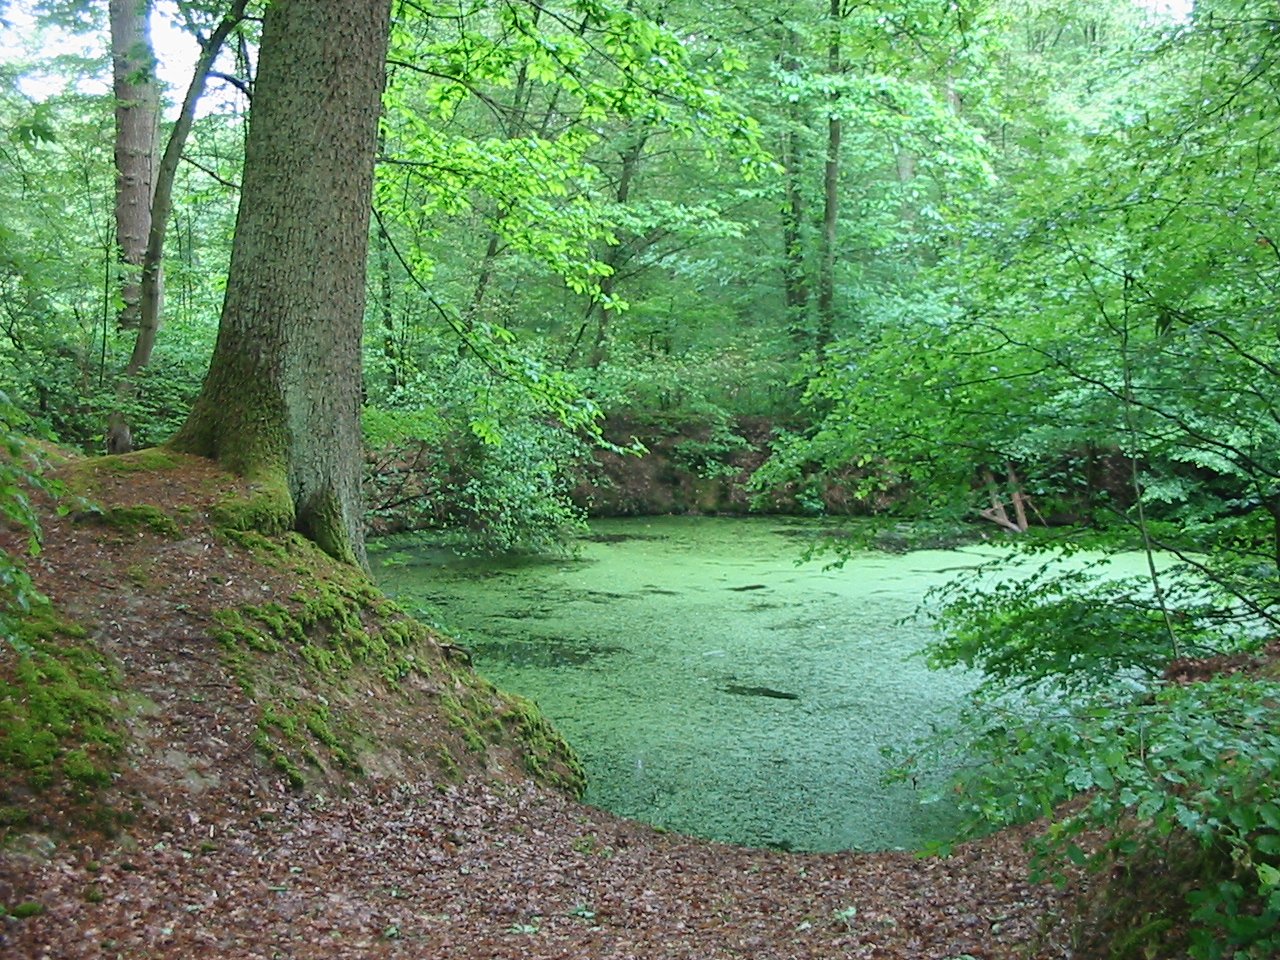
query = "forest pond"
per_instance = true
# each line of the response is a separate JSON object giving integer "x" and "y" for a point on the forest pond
{"x": 710, "y": 683}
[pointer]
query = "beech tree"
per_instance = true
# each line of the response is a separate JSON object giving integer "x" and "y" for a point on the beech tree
{"x": 145, "y": 179}
{"x": 281, "y": 402}
{"x": 152, "y": 284}
{"x": 137, "y": 113}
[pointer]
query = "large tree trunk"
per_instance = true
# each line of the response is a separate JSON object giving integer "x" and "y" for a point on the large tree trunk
{"x": 281, "y": 402}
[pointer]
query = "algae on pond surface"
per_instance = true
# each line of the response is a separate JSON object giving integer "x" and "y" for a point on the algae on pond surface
{"x": 710, "y": 684}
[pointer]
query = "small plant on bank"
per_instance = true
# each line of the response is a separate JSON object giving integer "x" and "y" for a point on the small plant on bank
{"x": 583, "y": 912}
{"x": 712, "y": 458}
{"x": 846, "y": 917}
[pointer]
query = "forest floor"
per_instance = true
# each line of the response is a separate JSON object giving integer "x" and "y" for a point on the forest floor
{"x": 219, "y": 856}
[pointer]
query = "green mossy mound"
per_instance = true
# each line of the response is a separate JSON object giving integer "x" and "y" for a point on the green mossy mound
{"x": 264, "y": 508}
{"x": 60, "y": 731}
{"x": 134, "y": 519}
{"x": 337, "y": 634}
{"x": 317, "y": 680}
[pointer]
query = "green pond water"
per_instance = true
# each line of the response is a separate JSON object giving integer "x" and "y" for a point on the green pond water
{"x": 710, "y": 684}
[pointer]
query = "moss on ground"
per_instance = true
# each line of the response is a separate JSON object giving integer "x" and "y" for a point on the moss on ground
{"x": 483, "y": 715}
{"x": 447, "y": 764}
{"x": 466, "y": 714}
{"x": 267, "y": 508}
{"x": 87, "y": 477}
{"x": 150, "y": 460}
{"x": 140, "y": 517}
{"x": 307, "y": 657}
{"x": 546, "y": 757}
{"x": 341, "y": 627}
{"x": 23, "y": 911}
{"x": 89, "y": 480}
{"x": 233, "y": 632}
{"x": 59, "y": 726}
{"x": 337, "y": 619}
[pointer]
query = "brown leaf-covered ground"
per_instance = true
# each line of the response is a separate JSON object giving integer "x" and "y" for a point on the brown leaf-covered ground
{"x": 220, "y": 858}
{"x": 477, "y": 871}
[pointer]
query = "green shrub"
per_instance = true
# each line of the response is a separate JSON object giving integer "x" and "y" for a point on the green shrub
{"x": 1179, "y": 778}
{"x": 1074, "y": 629}
{"x": 477, "y": 457}
{"x": 21, "y": 475}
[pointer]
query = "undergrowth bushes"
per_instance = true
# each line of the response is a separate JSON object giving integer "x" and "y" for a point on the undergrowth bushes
{"x": 1144, "y": 724}
{"x": 21, "y": 475}
{"x": 478, "y": 458}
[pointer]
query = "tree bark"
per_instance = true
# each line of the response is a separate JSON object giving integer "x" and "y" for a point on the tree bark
{"x": 617, "y": 254}
{"x": 137, "y": 115}
{"x": 281, "y": 402}
{"x": 1272, "y": 505}
{"x": 137, "y": 111}
{"x": 515, "y": 123}
{"x": 393, "y": 353}
{"x": 795, "y": 281}
{"x": 162, "y": 201}
{"x": 147, "y": 290}
{"x": 614, "y": 258}
{"x": 831, "y": 195}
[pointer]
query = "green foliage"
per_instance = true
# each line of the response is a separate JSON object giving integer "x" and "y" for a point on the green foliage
{"x": 464, "y": 450}
{"x": 515, "y": 120}
{"x": 697, "y": 384}
{"x": 21, "y": 477}
{"x": 27, "y": 909}
{"x": 709, "y": 458}
{"x": 60, "y": 349}
{"x": 164, "y": 393}
{"x": 1075, "y": 703}
{"x": 1072, "y": 629}
{"x": 516, "y": 495}
{"x": 1187, "y": 772}
{"x": 1122, "y": 305}
{"x": 1057, "y": 262}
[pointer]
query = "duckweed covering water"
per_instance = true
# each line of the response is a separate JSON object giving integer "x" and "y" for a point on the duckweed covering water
{"x": 709, "y": 683}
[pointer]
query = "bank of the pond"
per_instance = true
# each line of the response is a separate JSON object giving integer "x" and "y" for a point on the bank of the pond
{"x": 430, "y": 847}
{"x": 711, "y": 684}
{"x": 705, "y": 467}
